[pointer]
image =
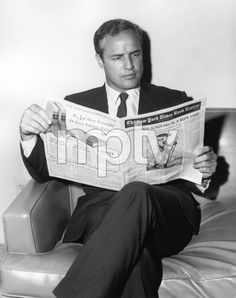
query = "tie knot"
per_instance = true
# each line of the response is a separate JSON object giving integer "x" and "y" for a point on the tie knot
{"x": 123, "y": 97}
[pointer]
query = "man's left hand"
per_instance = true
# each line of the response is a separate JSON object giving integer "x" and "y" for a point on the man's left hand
{"x": 205, "y": 161}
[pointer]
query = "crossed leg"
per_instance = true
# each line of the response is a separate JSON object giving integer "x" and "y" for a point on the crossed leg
{"x": 143, "y": 223}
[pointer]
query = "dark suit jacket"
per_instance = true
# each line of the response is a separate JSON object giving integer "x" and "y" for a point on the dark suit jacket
{"x": 152, "y": 98}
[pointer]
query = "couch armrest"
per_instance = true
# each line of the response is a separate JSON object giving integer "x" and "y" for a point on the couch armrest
{"x": 36, "y": 219}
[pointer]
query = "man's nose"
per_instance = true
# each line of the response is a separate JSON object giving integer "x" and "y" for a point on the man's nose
{"x": 129, "y": 63}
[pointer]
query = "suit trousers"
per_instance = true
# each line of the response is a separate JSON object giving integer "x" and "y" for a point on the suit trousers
{"x": 125, "y": 237}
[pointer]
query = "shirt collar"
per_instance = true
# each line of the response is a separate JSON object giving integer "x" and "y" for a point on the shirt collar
{"x": 113, "y": 95}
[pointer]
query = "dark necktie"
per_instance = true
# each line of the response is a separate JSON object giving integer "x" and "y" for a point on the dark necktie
{"x": 122, "y": 109}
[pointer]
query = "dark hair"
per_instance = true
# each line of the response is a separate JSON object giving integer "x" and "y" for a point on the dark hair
{"x": 113, "y": 28}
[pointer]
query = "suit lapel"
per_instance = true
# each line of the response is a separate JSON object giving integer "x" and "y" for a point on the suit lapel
{"x": 146, "y": 104}
{"x": 100, "y": 100}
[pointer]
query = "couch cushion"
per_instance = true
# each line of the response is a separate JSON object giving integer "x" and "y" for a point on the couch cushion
{"x": 36, "y": 275}
{"x": 208, "y": 259}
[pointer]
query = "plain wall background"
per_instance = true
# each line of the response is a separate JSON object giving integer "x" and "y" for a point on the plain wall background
{"x": 46, "y": 48}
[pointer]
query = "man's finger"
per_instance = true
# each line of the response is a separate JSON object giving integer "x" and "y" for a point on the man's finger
{"x": 202, "y": 150}
{"x": 210, "y": 156}
{"x": 41, "y": 112}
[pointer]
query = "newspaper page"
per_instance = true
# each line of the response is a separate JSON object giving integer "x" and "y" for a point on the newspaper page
{"x": 91, "y": 147}
{"x": 164, "y": 143}
{"x": 76, "y": 146}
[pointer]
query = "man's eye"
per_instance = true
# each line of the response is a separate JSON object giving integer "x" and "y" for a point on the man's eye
{"x": 116, "y": 58}
{"x": 137, "y": 54}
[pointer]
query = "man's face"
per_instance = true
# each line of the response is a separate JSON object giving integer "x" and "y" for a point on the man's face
{"x": 122, "y": 60}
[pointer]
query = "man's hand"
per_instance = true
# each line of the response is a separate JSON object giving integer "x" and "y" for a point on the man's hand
{"x": 34, "y": 121}
{"x": 205, "y": 161}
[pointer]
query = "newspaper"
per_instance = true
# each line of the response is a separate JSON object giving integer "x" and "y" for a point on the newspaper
{"x": 94, "y": 148}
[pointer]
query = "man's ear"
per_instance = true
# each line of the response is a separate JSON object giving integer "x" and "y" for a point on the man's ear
{"x": 99, "y": 60}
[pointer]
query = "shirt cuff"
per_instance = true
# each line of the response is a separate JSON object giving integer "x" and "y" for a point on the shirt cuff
{"x": 204, "y": 186}
{"x": 28, "y": 145}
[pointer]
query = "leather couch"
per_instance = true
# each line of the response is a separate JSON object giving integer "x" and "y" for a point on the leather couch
{"x": 34, "y": 223}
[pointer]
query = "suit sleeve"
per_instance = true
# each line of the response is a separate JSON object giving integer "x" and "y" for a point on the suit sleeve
{"x": 36, "y": 163}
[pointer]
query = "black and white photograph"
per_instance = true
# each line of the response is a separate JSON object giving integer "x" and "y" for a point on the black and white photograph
{"x": 130, "y": 218}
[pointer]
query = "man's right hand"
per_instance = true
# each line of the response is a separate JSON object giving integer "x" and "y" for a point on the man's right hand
{"x": 34, "y": 121}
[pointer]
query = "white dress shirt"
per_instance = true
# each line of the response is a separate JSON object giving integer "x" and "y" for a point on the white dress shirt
{"x": 28, "y": 145}
{"x": 132, "y": 102}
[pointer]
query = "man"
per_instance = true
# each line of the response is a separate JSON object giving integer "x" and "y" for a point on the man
{"x": 125, "y": 233}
